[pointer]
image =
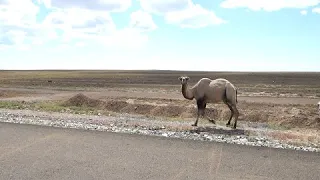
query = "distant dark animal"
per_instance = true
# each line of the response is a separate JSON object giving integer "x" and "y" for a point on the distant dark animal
{"x": 319, "y": 108}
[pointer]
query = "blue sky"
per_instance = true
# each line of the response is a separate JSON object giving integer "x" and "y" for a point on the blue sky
{"x": 211, "y": 35}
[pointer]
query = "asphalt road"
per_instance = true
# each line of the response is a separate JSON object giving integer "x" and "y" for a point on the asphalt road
{"x": 36, "y": 152}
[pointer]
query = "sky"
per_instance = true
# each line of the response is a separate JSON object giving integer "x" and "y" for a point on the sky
{"x": 208, "y": 35}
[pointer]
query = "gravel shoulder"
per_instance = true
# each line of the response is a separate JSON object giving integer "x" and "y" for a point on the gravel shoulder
{"x": 135, "y": 124}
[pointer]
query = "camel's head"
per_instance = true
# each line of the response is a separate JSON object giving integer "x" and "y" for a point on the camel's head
{"x": 184, "y": 79}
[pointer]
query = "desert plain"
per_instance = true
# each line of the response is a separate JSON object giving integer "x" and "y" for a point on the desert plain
{"x": 284, "y": 103}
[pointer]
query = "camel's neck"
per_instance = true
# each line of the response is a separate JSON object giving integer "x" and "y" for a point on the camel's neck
{"x": 186, "y": 92}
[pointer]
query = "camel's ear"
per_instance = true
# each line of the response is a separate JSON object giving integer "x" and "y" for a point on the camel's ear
{"x": 187, "y": 78}
{"x": 180, "y": 78}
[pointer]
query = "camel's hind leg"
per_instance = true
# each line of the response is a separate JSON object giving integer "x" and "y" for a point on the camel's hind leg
{"x": 236, "y": 113}
{"x": 232, "y": 112}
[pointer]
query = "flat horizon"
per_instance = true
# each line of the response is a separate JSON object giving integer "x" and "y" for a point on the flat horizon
{"x": 158, "y": 70}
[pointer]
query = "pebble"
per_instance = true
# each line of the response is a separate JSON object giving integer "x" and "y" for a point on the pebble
{"x": 165, "y": 134}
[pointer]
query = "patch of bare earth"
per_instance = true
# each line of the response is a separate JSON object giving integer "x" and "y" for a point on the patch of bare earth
{"x": 10, "y": 94}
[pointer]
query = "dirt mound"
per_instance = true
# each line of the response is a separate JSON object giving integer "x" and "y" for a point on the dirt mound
{"x": 138, "y": 108}
{"x": 82, "y": 100}
{"x": 169, "y": 111}
{"x": 115, "y": 106}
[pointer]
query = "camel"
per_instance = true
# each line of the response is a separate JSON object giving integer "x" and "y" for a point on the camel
{"x": 211, "y": 91}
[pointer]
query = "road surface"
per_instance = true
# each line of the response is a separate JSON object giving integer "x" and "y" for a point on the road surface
{"x": 37, "y": 152}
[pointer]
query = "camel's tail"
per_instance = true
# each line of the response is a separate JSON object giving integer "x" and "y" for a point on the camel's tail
{"x": 236, "y": 95}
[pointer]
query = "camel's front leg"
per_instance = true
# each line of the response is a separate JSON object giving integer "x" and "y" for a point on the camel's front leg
{"x": 196, "y": 122}
{"x": 200, "y": 105}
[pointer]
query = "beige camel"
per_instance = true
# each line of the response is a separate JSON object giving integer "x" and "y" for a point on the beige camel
{"x": 211, "y": 91}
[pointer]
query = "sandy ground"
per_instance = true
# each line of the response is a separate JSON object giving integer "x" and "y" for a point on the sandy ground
{"x": 28, "y": 94}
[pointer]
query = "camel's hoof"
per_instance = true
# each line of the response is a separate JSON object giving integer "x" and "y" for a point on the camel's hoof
{"x": 193, "y": 124}
{"x": 227, "y": 125}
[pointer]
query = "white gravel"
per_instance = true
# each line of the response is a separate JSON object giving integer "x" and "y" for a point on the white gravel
{"x": 138, "y": 125}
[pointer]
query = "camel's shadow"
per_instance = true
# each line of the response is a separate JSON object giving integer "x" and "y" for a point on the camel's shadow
{"x": 213, "y": 130}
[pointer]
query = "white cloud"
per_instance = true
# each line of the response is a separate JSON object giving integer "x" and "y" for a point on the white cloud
{"x": 81, "y": 21}
{"x": 18, "y": 36}
{"x": 193, "y": 17}
{"x": 142, "y": 21}
{"x": 73, "y": 21}
{"x": 184, "y": 13}
{"x": 46, "y": 3}
{"x": 96, "y": 5}
{"x": 125, "y": 38}
{"x": 18, "y": 12}
{"x": 80, "y": 44}
{"x": 161, "y": 7}
{"x": 91, "y": 21}
{"x": 17, "y": 20}
{"x": 268, "y": 5}
{"x": 18, "y": 24}
{"x": 303, "y": 12}
{"x": 12, "y": 37}
{"x": 97, "y": 26}
{"x": 15, "y": 35}
{"x": 316, "y": 10}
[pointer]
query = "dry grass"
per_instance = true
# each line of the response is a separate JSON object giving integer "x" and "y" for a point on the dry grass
{"x": 275, "y": 115}
{"x": 288, "y": 115}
